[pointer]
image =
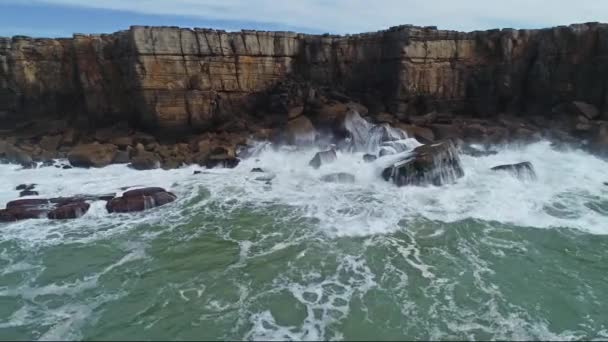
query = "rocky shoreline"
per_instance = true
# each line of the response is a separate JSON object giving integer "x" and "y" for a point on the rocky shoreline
{"x": 166, "y": 97}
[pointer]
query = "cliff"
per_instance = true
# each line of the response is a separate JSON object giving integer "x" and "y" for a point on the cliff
{"x": 183, "y": 79}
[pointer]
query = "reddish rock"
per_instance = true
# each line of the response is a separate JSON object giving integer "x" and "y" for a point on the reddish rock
{"x": 435, "y": 164}
{"x": 72, "y": 210}
{"x": 140, "y": 200}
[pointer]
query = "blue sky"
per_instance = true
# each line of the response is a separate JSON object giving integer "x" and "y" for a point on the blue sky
{"x": 61, "y": 18}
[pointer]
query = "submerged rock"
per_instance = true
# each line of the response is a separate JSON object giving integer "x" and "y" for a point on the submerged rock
{"x": 435, "y": 164}
{"x": 324, "y": 157}
{"x": 339, "y": 177}
{"x": 140, "y": 200}
{"x": 72, "y": 210}
{"x": 474, "y": 152}
{"x": 59, "y": 208}
{"x": 368, "y": 158}
{"x": 523, "y": 170}
{"x": 28, "y": 193}
{"x": 25, "y": 187}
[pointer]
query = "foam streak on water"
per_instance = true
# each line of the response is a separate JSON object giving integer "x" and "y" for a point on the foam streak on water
{"x": 488, "y": 257}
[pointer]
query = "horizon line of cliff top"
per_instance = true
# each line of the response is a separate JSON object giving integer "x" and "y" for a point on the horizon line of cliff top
{"x": 398, "y": 28}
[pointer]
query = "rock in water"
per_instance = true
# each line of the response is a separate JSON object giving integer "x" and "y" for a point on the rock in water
{"x": 67, "y": 211}
{"x": 300, "y": 131}
{"x": 28, "y": 193}
{"x": 340, "y": 177}
{"x": 435, "y": 164}
{"x": 324, "y": 157}
{"x": 474, "y": 152}
{"x": 368, "y": 158}
{"x": 25, "y": 187}
{"x": 92, "y": 155}
{"x": 140, "y": 200}
{"x": 145, "y": 161}
{"x": 523, "y": 170}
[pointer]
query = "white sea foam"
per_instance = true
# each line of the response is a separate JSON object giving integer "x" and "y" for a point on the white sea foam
{"x": 568, "y": 192}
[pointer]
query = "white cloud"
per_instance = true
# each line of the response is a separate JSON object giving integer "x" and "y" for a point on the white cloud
{"x": 350, "y": 16}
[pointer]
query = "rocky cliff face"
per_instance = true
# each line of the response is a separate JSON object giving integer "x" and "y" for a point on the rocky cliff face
{"x": 171, "y": 78}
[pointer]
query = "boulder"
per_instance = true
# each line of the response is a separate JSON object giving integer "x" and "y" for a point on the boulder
{"x": 16, "y": 155}
{"x": 28, "y": 193}
{"x": 222, "y": 161}
{"x": 140, "y": 200}
{"x": 368, "y": 158}
{"x": 339, "y": 177}
{"x": 25, "y": 187}
{"x": 422, "y": 134}
{"x": 50, "y": 142}
{"x": 300, "y": 131}
{"x": 474, "y": 152}
{"x": 324, "y": 157}
{"x": 92, "y": 155}
{"x": 25, "y": 209}
{"x": 435, "y": 164}
{"x": 585, "y": 109}
{"x": 295, "y": 112}
{"x": 220, "y": 157}
{"x": 122, "y": 142}
{"x": 71, "y": 210}
{"x": 122, "y": 157}
{"x": 145, "y": 161}
{"x": 523, "y": 170}
{"x": 82, "y": 198}
{"x": 257, "y": 169}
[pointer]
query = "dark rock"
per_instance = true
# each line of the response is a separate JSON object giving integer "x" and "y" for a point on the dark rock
{"x": 30, "y": 202}
{"x": 585, "y": 109}
{"x": 340, "y": 177}
{"x": 66, "y": 167}
{"x": 143, "y": 192}
{"x": 324, "y": 157}
{"x": 197, "y": 172}
{"x": 474, "y": 152}
{"x": 435, "y": 164}
{"x": 25, "y": 187}
{"x": 139, "y": 200}
{"x": 81, "y": 198}
{"x": 28, "y": 193}
{"x": 122, "y": 157}
{"x": 422, "y": 134}
{"x": 145, "y": 161}
{"x": 368, "y": 158}
{"x": 71, "y": 210}
{"x": 24, "y": 209}
{"x": 223, "y": 161}
{"x": 523, "y": 170}
{"x": 92, "y": 155}
{"x": 257, "y": 169}
{"x": 50, "y": 143}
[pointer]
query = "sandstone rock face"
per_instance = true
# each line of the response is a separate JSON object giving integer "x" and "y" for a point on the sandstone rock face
{"x": 198, "y": 79}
